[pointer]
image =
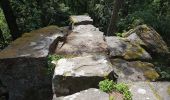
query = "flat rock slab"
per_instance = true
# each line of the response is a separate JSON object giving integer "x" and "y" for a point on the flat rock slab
{"x": 89, "y": 94}
{"x": 151, "y": 39}
{"x": 83, "y": 39}
{"x": 34, "y": 44}
{"x": 150, "y": 90}
{"x": 75, "y": 74}
{"x": 121, "y": 47}
{"x": 81, "y": 20}
{"x": 133, "y": 71}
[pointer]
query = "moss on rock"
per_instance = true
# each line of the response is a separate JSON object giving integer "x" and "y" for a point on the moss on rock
{"x": 151, "y": 75}
{"x": 168, "y": 90}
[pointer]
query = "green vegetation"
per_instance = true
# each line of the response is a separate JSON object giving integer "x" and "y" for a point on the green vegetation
{"x": 51, "y": 66}
{"x": 5, "y": 31}
{"x": 162, "y": 66}
{"x": 55, "y": 57}
{"x": 106, "y": 85}
{"x": 33, "y": 14}
{"x": 109, "y": 86}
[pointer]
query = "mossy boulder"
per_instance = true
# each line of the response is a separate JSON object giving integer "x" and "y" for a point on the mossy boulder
{"x": 121, "y": 47}
{"x": 134, "y": 70}
{"x": 34, "y": 44}
{"x": 150, "y": 38}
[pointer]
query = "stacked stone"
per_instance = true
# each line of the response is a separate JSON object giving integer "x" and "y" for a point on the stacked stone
{"x": 88, "y": 66}
{"x": 95, "y": 57}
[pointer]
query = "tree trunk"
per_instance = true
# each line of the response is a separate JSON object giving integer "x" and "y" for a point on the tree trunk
{"x": 112, "y": 25}
{"x": 10, "y": 18}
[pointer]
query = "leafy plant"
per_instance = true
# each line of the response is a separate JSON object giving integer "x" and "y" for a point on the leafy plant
{"x": 123, "y": 88}
{"x": 109, "y": 86}
{"x": 106, "y": 85}
{"x": 51, "y": 66}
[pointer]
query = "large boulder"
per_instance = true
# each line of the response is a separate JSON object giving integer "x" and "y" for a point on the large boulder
{"x": 131, "y": 71}
{"x": 149, "y": 90}
{"x": 23, "y": 65}
{"x": 89, "y": 94}
{"x": 72, "y": 75}
{"x": 83, "y": 39}
{"x": 122, "y": 48}
{"x": 150, "y": 38}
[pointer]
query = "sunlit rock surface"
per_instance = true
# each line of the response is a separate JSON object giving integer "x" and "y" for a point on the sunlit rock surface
{"x": 149, "y": 90}
{"x": 34, "y": 44}
{"x": 83, "y": 39}
{"x": 131, "y": 71}
{"x": 23, "y": 65}
{"x": 81, "y": 20}
{"x": 122, "y": 48}
{"x": 75, "y": 74}
{"x": 89, "y": 94}
{"x": 150, "y": 38}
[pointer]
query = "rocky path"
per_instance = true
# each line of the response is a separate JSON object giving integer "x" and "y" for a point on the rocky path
{"x": 89, "y": 57}
{"x": 97, "y": 57}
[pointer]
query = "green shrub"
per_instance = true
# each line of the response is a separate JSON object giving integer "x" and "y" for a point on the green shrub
{"x": 106, "y": 85}
{"x": 123, "y": 88}
{"x": 109, "y": 86}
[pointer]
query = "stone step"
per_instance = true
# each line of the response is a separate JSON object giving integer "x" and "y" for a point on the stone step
{"x": 72, "y": 75}
{"x": 150, "y": 90}
{"x": 83, "y": 39}
{"x": 132, "y": 71}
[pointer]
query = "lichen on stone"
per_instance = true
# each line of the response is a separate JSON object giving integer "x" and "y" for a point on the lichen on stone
{"x": 168, "y": 90}
{"x": 151, "y": 75}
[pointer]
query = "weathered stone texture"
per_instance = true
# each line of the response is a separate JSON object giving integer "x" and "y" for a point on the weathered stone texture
{"x": 149, "y": 90}
{"x": 152, "y": 40}
{"x": 122, "y": 48}
{"x": 23, "y": 65}
{"x": 34, "y": 44}
{"x": 84, "y": 39}
{"x": 75, "y": 74}
{"x": 89, "y": 94}
{"x": 133, "y": 70}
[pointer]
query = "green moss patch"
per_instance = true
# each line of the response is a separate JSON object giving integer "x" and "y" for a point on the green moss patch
{"x": 168, "y": 90}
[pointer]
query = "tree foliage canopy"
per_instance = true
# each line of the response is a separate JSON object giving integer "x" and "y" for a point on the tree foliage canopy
{"x": 33, "y": 14}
